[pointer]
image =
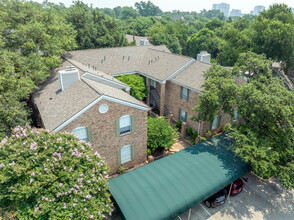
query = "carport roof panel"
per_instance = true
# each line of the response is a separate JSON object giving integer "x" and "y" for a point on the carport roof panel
{"x": 168, "y": 187}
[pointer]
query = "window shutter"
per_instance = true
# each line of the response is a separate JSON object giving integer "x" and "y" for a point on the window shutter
{"x": 133, "y": 152}
{"x": 133, "y": 125}
{"x": 188, "y": 91}
{"x": 219, "y": 121}
{"x": 89, "y": 134}
{"x": 181, "y": 95}
{"x": 119, "y": 157}
{"x": 186, "y": 116}
{"x": 179, "y": 114}
{"x": 117, "y": 130}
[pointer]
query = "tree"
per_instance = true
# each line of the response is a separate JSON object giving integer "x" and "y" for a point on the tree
{"x": 32, "y": 38}
{"x": 94, "y": 28}
{"x": 147, "y": 9}
{"x": 160, "y": 133}
{"x": 139, "y": 89}
{"x": 264, "y": 105}
{"x": 128, "y": 12}
{"x": 52, "y": 176}
{"x": 274, "y": 34}
{"x": 233, "y": 43}
{"x": 204, "y": 40}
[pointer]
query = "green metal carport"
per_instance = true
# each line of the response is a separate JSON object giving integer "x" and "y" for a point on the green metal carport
{"x": 170, "y": 186}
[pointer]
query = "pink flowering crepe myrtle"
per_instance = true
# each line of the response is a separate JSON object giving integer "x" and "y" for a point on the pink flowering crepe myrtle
{"x": 61, "y": 169}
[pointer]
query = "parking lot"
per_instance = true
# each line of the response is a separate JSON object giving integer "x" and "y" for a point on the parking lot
{"x": 260, "y": 199}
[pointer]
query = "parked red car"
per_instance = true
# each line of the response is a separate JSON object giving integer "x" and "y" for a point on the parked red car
{"x": 237, "y": 187}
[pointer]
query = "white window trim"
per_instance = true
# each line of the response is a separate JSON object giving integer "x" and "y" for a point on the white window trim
{"x": 153, "y": 83}
{"x": 185, "y": 113}
{"x": 185, "y": 96}
{"x": 215, "y": 120}
{"x": 123, "y": 117}
{"x": 129, "y": 157}
{"x": 78, "y": 129}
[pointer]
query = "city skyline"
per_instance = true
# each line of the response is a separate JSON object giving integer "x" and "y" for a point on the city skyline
{"x": 184, "y": 5}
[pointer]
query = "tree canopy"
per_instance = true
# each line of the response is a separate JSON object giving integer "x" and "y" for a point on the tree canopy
{"x": 139, "y": 89}
{"x": 265, "y": 108}
{"x": 52, "y": 176}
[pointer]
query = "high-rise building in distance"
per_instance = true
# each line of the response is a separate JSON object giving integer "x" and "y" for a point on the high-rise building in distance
{"x": 257, "y": 10}
{"x": 223, "y": 7}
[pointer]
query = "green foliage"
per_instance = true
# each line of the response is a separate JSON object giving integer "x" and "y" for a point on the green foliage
{"x": 208, "y": 134}
{"x": 179, "y": 124}
{"x": 227, "y": 127}
{"x": 147, "y": 8}
{"x": 266, "y": 106}
{"x": 148, "y": 151}
{"x": 204, "y": 40}
{"x": 94, "y": 28}
{"x": 121, "y": 170}
{"x": 274, "y": 34}
{"x": 195, "y": 134}
{"x": 202, "y": 139}
{"x": 52, "y": 176}
{"x": 190, "y": 131}
{"x": 160, "y": 133}
{"x": 139, "y": 89}
{"x": 32, "y": 38}
{"x": 128, "y": 12}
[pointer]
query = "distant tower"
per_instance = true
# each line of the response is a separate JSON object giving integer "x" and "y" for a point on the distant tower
{"x": 257, "y": 10}
{"x": 222, "y": 7}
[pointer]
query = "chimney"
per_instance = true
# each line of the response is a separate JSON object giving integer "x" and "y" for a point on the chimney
{"x": 68, "y": 77}
{"x": 144, "y": 42}
{"x": 203, "y": 57}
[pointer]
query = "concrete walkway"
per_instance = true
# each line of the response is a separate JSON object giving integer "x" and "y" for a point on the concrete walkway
{"x": 179, "y": 145}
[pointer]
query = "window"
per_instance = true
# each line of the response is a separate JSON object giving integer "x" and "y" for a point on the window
{"x": 126, "y": 153}
{"x": 152, "y": 83}
{"x": 183, "y": 115}
{"x": 184, "y": 94}
{"x": 125, "y": 124}
{"x": 216, "y": 122}
{"x": 235, "y": 115}
{"x": 81, "y": 133}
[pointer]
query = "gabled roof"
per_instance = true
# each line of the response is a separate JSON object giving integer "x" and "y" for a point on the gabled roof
{"x": 153, "y": 61}
{"x": 57, "y": 108}
{"x": 193, "y": 76}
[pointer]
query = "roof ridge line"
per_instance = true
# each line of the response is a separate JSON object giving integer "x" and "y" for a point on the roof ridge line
{"x": 92, "y": 87}
{"x": 180, "y": 55}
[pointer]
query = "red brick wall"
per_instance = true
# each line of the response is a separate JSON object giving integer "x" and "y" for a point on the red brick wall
{"x": 103, "y": 126}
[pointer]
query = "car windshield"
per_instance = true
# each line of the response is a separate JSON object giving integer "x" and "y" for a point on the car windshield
{"x": 220, "y": 196}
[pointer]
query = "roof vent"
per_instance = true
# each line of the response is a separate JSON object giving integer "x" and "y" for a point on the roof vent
{"x": 144, "y": 42}
{"x": 68, "y": 77}
{"x": 203, "y": 57}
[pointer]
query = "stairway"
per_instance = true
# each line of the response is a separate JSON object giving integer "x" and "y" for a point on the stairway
{"x": 156, "y": 98}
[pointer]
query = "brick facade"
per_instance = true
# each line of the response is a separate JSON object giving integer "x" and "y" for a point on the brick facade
{"x": 174, "y": 103}
{"x": 105, "y": 141}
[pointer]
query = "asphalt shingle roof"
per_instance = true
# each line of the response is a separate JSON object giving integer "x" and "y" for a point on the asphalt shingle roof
{"x": 154, "y": 61}
{"x": 192, "y": 76}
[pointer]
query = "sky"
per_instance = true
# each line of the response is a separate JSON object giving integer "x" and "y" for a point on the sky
{"x": 183, "y": 5}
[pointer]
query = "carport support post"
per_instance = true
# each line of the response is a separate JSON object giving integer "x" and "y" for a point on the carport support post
{"x": 183, "y": 129}
{"x": 170, "y": 115}
{"x": 229, "y": 192}
{"x": 189, "y": 214}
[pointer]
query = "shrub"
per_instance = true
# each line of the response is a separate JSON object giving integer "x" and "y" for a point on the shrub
{"x": 160, "y": 133}
{"x": 189, "y": 131}
{"x": 52, "y": 176}
{"x": 179, "y": 124}
{"x": 148, "y": 151}
{"x": 121, "y": 170}
{"x": 227, "y": 127}
{"x": 202, "y": 139}
{"x": 195, "y": 135}
{"x": 207, "y": 134}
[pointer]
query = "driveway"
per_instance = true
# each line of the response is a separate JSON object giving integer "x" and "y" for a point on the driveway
{"x": 260, "y": 200}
